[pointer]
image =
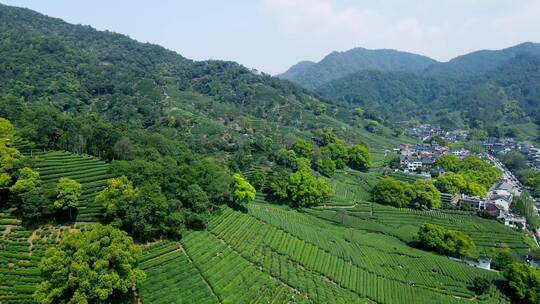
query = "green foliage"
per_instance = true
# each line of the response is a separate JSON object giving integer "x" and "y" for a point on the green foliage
{"x": 9, "y": 157}
{"x": 445, "y": 241}
{"x": 514, "y": 160}
{"x": 286, "y": 158}
{"x": 448, "y": 162}
{"x": 502, "y": 257}
{"x": 259, "y": 177}
{"x": 525, "y": 205}
{"x": 144, "y": 211}
{"x": 97, "y": 265}
{"x": 338, "y": 152}
{"x": 425, "y": 195}
{"x": 472, "y": 176}
{"x": 481, "y": 285}
{"x": 479, "y": 90}
{"x": 119, "y": 191}
{"x": 392, "y": 192}
{"x": 303, "y": 148}
{"x": 359, "y": 157}
{"x": 68, "y": 194}
{"x": 301, "y": 188}
{"x": 242, "y": 191}
{"x": 28, "y": 180}
{"x": 530, "y": 178}
{"x": 450, "y": 182}
{"x": 524, "y": 282}
{"x": 326, "y": 166}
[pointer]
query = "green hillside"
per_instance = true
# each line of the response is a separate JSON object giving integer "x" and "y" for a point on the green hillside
{"x": 131, "y": 174}
{"x": 90, "y": 172}
{"x": 324, "y": 262}
{"x": 490, "y": 90}
{"x": 339, "y": 64}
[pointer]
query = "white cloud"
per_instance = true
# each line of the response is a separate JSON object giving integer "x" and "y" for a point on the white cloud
{"x": 440, "y": 29}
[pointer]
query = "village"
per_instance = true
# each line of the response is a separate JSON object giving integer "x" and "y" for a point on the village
{"x": 420, "y": 160}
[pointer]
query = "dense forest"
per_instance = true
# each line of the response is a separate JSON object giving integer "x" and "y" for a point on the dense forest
{"x": 175, "y": 130}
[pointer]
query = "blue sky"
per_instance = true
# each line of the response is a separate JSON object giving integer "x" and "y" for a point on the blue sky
{"x": 271, "y": 35}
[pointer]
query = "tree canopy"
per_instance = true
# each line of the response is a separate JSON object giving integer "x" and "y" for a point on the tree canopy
{"x": 243, "y": 192}
{"x": 445, "y": 241}
{"x": 301, "y": 187}
{"x": 426, "y": 195}
{"x": 96, "y": 265}
{"x": 143, "y": 211}
{"x": 359, "y": 157}
{"x": 10, "y": 157}
{"x": 393, "y": 192}
{"x": 524, "y": 282}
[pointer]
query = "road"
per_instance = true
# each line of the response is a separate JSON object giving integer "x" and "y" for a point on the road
{"x": 507, "y": 176}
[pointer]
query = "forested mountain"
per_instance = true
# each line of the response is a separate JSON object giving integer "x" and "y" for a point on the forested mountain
{"x": 492, "y": 90}
{"x": 75, "y": 70}
{"x": 339, "y": 64}
{"x": 480, "y": 62}
{"x": 158, "y": 115}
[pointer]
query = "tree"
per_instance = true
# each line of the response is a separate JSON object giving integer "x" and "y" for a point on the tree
{"x": 426, "y": 195}
{"x": 449, "y": 162}
{"x": 303, "y": 148}
{"x": 68, "y": 194}
{"x": 450, "y": 182}
{"x": 116, "y": 195}
{"x": 9, "y": 157}
{"x": 97, "y": 265}
{"x": 242, "y": 191}
{"x": 474, "y": 189}
{"x": 144, "y": 211}
{"x": 393, "y": 192}
{"x": 302, "y": 188}
{"x": 196, "y": 199}
{"x": 326, "y": 166}
{"x": 502, "y": 257}
{"x": 28, "y": 180}
{"x": 338, "y": 152}
{"x": 359, "y": 157}
{"x": 524, "y": 282}
{"x": 524, "y": 205}
{"x": 481, "y": 285}
{"x": 514, "y": 160}
{"x": 259, "y": 177}
{"x": 445, "y": 241}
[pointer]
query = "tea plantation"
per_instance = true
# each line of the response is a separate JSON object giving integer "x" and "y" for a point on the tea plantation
{"x": 90, "y": 172}
{"x": 20, "y": 252}
{"x": 272, "y": 254}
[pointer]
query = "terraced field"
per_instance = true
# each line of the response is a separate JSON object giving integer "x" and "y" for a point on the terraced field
{"x": 207, "y": 271}
{"x": 91, "y": 172}
{"x": 272, "y": 254}
{"x": 20, "y": 252}
{"x": 352, "y": 186}
{"x": 403, "y": 224}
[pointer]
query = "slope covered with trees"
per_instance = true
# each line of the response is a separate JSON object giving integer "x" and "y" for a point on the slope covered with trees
{"x": 339, "y": 64}
{"x": 490, "y": 90}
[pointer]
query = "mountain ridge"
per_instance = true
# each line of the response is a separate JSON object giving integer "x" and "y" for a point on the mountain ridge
{"x": 338, "y": 64}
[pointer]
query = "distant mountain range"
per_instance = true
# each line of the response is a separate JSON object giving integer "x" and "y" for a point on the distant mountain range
{"x": 488, "y": 89}
{"x": 339, "y": 64}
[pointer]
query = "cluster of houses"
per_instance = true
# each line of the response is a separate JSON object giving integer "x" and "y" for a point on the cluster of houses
{"x": 426, "y": 132}
{"x": 496, "y": 146}
{"x": 497, "y": 204}
{"x": 414, "y": 158}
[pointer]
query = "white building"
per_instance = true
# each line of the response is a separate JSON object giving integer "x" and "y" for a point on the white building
{"x": 513, "y": 220}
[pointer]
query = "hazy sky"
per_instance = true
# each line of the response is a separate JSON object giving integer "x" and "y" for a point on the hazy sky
{"x": 271, "y": 35}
